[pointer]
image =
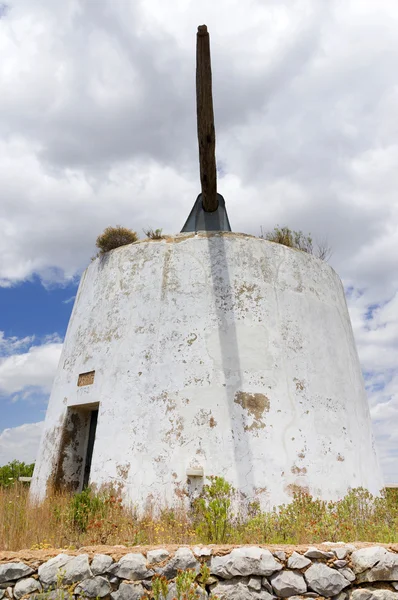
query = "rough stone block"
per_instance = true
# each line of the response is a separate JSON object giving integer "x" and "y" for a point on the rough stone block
{"x": 76, "y": 569}
{"x": 267, "y": 586}
{"x": 157, "y": 556}
{"x": 340, "y": 553}
{"x": 288, "y": 583}
{"x": 95, "y": 587}
{"x": 26, "y": 586}
{"x": 366, "y": 558}
{"x": 202, "y": 551}
{"x": 238, "y": 590}
{"x": 298, "y": 561}
{"x": 131, "y": 566}
{"x": 375, "y": 564}
{"x": 182, "y": 560}
{"x": 245, "y": 561}
{"x": 315, "y": 553}
{"x": 324, "y": 580}
{"x": 348, "y": 574}
{"x": 14, "y": 571}
{"x": 254, "y": 583}
{"x": 128, "y": 591}
{"x": 280, "y": 555}
{"x": 341, "y": 596}
{"x": 49, "y": 571}
{"x": 101, "y": 564}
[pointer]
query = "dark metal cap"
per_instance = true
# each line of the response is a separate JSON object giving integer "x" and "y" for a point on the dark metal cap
{"x": 200, "y": 220}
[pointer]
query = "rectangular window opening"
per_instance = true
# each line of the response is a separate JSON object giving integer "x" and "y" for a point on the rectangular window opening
{"x": 86, "y": 378}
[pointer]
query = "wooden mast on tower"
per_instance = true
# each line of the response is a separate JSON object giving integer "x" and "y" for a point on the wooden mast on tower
{"x": 208, "y": 212}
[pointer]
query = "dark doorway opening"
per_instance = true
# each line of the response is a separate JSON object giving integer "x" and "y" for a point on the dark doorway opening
{"x": 76, "y": 447}
{"x": 90, "y": 447}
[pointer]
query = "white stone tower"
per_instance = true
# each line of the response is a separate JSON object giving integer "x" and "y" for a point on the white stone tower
{"x": 209, "y": 353}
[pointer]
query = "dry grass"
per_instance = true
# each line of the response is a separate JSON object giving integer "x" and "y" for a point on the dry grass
{"x": 61, "y": 522}
{"x": 290, "y": 238}
{"x": 299, "y": 241}
{"x": 114, "y": 237}
{"x": 154, "y": 234}
{"x": 66, "y": 521}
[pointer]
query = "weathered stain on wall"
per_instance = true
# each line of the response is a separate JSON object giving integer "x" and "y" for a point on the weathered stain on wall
{"x": 223, "y": 351}
{"x": 255, "y": 405}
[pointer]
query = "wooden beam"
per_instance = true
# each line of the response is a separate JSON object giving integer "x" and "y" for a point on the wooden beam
{"x": 205, "y": 118}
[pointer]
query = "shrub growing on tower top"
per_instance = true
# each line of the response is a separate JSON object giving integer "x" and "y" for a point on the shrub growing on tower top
{"x": 154, "y": 234}
{"x": 293, "y": 239}
{"x": 114, "y": 237}
{"x": 297, "y": 240}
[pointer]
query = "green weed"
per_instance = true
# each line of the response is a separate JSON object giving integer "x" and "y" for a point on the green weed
{"x": 213, "y": 510}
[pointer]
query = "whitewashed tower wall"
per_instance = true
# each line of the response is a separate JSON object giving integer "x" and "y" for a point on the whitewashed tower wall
{"x": 210, "y": 354}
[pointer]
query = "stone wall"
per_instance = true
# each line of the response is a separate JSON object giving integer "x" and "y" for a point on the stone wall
{"x": 337, "y": 571}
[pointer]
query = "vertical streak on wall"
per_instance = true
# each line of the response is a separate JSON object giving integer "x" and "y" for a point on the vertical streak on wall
{"x": 219, "y": 264}
{"x": 285, "y": 370}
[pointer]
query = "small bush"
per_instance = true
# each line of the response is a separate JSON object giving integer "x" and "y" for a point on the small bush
{"x": 160, "y": 587}
{"x": 85, "y": 506}
{"x": 297, "y": 240}
{"x": 186, "y": 586}
{"x": 213, "y": 510}
{"x": 304, "y": 515}
{"x": 10, "y": 473}
{"x": 154, "y": 234}
{"x": 288, "y": 237}
{"x": 114, "y": 237}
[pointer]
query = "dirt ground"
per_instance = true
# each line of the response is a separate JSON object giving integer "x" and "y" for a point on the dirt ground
{"x": 34, "y": 557}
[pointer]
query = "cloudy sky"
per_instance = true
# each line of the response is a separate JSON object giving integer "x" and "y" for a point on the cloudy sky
{"x": 97, "y": 127}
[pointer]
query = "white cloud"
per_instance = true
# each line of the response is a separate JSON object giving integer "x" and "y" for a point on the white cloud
{"x": 20, "y": 443}
{"x": 13, "y": 344}
{"x": 99, "y": 116}
{"x": 376, "y": 332}
{"x": 26, "y": 375}
{"x": 98, "y": 128}
{"x": 32, "y": 369}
